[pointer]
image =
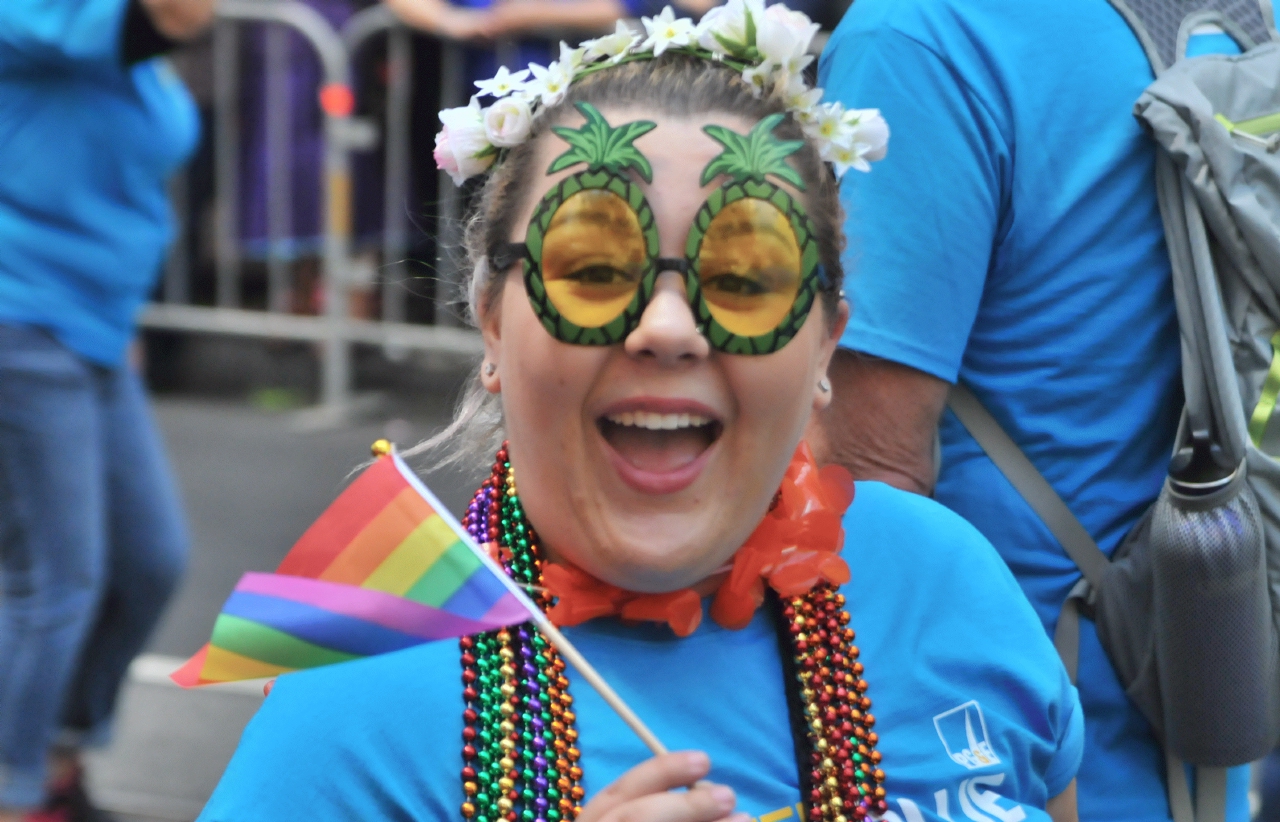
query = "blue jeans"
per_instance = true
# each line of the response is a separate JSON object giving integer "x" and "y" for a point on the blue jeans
{"x": 92, "y": 542}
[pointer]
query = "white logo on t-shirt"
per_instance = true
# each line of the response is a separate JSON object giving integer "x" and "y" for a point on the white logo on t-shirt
{"x": 963, "y": 732}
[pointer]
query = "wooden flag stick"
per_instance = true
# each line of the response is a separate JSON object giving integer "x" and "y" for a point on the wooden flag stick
{"x": 577, "y": 660}
{"x": 562, "y": 643}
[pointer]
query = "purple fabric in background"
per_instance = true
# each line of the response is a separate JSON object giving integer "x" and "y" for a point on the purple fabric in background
{"x": 305, "y": 145}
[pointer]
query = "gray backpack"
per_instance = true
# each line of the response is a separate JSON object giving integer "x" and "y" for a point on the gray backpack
{"x": 1188, "y": 607}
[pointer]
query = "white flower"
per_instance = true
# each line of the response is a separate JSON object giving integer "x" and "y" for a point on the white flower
{"x": 796, "y": 23}
{"x": 503, "y": 83}
{"x": 783, "y": 37}
{"x": 507, "y": 122}
{"x": 666, "y": 31}
{"x": 571, "y": 59}
{"x": 760, "y": 78}
{"x": 858, "y": 138}
{"x": 826, "y": 123}
{"x": 613, "y": 46}
{"x": 462, "y": 147}
{"x": 799, "y": 98}
{"x": 845, "y": 157}
{"x": 550, "y": 84}
{"x": 723, "y": 29}
{"x": 869, "y": 131}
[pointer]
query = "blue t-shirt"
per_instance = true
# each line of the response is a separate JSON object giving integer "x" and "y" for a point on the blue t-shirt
{"x": 974, "y": 711}
{"x": 86, "y": 147}
{"x": 1012, "y": 239}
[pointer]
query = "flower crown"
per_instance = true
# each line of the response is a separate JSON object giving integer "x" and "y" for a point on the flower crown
{"x": 770, "y": 46}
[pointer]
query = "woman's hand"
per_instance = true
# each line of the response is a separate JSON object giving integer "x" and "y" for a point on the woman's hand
{"x": 648, "y": 793}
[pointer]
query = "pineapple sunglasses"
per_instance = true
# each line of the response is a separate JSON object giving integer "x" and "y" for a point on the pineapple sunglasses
{"x": 751, "y": 267}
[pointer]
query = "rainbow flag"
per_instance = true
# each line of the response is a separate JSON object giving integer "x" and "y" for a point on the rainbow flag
{"x": 384, "y": 568}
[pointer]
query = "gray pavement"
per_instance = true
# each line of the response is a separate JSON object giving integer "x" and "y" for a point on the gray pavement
{"x": 252, "y": 482}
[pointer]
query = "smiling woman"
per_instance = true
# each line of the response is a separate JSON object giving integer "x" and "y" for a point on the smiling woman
{"x": 656, "y": 274}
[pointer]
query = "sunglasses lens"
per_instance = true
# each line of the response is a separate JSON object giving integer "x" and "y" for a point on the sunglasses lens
{"x": 749, "y": 267}
{"x": 593, "y": 256}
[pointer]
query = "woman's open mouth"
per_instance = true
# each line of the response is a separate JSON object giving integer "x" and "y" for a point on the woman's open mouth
{"x": 659, "y": 453}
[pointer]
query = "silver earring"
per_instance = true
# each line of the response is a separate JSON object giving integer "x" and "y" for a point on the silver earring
{"x": 490, "y": 369}
{"x": 824, "y": 385}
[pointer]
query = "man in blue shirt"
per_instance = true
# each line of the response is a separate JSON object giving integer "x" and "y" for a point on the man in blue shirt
{"x": 1012, "y": 240}
{"x": 91, "y": 535}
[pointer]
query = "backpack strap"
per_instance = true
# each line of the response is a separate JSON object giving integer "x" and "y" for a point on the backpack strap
{"x": 1028, "y": 482}
{"x": 1211, "y": 783}
{"x": 1053, "y": 512}
{"x": 1162, "y": 27}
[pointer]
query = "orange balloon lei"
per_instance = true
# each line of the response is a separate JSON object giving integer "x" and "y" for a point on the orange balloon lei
{"x": 796, "y": 546}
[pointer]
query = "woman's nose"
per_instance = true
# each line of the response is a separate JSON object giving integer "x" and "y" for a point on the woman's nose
{"x": 668, "y": 331}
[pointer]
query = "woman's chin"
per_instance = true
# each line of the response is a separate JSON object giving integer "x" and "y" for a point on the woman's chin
{"x": 653, "y": 568}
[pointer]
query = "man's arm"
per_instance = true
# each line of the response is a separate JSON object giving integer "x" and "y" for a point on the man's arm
{"x": 1062, "y": 808}
{"x": 441, "y": 18}
{"x": 507, "y": 19}
{"x": 921, "y": 227}
{"x": 179, "y": 19}
{"x": 882, "y": 421}
{"x": 512, "y": 19}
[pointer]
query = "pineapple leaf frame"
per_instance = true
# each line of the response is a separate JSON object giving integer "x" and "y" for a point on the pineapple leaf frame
{"x": 603, "y": 147}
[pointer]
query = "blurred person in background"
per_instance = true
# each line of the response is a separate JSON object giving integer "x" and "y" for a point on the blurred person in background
{"x": 92, "y": 539}
{"x": 1012, "y": 240}
{"x": 487, "y": 19}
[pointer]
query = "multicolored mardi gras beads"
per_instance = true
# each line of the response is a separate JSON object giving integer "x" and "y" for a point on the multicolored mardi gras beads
{"x": 845, "y": 778}
{"x": 519, "y": 752}
{"x": 519, "y": 742}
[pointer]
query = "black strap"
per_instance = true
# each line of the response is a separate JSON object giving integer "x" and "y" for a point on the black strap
{"x": 139, "y": 38}
{"x": 791, "y": 687}
{"x": 507, "y": 255}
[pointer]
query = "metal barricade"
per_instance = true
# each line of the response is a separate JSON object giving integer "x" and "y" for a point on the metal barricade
{"x": 335, "y": 330}
{"x": 359, "y": 30}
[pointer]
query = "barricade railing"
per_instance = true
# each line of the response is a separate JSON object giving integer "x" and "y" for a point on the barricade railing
{"x": 359, "y": 30}
{"x": 334, "y": 329}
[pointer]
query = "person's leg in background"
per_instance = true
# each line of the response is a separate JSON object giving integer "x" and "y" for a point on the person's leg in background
{"x": 52, "y": 547}
{"x": 147, "y": 546}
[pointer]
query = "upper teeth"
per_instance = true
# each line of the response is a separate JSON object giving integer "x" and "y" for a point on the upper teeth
{"x": 656, "y": 422}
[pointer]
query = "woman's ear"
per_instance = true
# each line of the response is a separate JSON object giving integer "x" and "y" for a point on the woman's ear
{"x": 835, "y": 330}
{"x": 489, "y": 319}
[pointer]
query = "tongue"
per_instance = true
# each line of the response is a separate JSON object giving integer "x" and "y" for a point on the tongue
{"x": 657, "y": 451}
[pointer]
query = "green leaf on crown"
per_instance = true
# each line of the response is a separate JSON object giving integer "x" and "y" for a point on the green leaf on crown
{"x": 603, "y": 147}
{"x": 754, "y": 155}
